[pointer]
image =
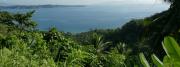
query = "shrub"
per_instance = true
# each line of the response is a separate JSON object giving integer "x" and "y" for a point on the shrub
{"x": 172, "y": 59}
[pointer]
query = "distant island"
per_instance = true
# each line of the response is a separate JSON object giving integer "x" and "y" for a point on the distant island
{"x": 37, "y": 6}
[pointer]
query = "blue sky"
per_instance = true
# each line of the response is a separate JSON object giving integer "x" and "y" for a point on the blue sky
{"x": 76, "y": 2}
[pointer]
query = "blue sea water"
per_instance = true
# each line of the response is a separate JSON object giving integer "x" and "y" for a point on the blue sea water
{"x": 81, "y": 19}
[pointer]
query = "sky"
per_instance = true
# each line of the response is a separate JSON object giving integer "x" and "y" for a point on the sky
{"x": 76, "y": 2}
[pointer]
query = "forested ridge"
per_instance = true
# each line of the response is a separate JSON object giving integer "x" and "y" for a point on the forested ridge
{"x": 148, "y": 42}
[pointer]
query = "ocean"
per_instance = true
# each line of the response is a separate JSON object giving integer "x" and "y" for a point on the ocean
{"x": 81, "y": 19}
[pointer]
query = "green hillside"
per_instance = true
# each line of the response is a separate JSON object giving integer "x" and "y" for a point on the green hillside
{"x": 148, "y": 42}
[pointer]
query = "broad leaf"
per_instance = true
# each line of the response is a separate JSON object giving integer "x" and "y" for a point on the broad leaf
{"x": 156, "y": 61}
{"x": 143, "y": 60}
{"x": 172, "y": 48}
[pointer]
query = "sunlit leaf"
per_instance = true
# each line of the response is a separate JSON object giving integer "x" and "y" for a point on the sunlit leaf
{"x": 156, "y": 61}
{"x": 143, "y": 60}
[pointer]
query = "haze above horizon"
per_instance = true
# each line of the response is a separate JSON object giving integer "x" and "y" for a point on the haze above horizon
{"x": 77, "y": 2}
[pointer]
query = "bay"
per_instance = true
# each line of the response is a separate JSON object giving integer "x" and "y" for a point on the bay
{"x": 81, "y": 19}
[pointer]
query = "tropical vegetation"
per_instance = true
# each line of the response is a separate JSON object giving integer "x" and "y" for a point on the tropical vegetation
{"x": 23, "y": 45}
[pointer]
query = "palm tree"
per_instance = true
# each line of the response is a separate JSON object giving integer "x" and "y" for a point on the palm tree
{"x": 99, "y": 43}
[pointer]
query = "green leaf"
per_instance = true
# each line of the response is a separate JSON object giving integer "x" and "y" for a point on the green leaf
{"x": 143, "y": 60}
{"x": 172, "y": 48}
{"x": 167, "y": 61}
{"x": 156, "y": 61}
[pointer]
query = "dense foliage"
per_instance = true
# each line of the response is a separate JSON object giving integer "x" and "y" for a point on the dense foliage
{"x": 172, "y": 59}
{"x": 22, "y": 45}
{"x": 144, "y": 35}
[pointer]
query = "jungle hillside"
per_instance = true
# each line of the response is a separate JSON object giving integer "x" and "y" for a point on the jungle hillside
{"x": 148, "y": 42}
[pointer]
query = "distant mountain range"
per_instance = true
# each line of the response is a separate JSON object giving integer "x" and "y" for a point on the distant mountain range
{"x": 36, "y": 6}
